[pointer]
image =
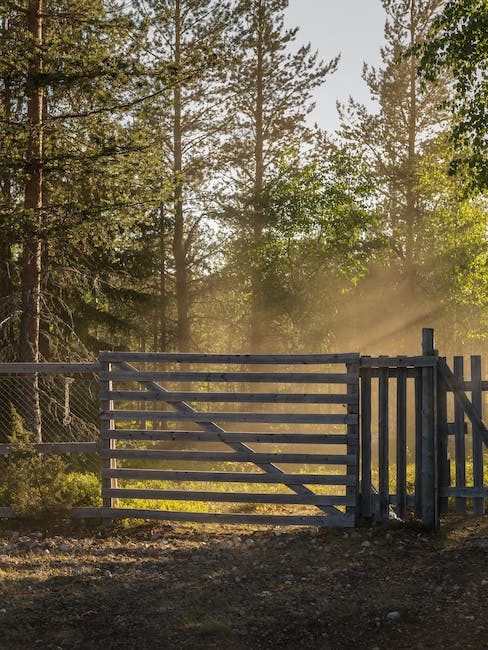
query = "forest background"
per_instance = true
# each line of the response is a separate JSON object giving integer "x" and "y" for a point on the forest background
{"x": 162, "y": 187}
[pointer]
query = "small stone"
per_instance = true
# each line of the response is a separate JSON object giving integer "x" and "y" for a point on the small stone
{"x": 64, "y": 548}
{"x": 314, "y": 531}
{"x": 107, "y": 574}
{"x": 14, "y": 536}
{"x": 249, "y": 542}
{"x": 3, "y": 610}
{"x": 484, "y": 583}
{"x": 278, "y": 532}
{"x": 393, "y": 616}
{"x": 366, "y": 543}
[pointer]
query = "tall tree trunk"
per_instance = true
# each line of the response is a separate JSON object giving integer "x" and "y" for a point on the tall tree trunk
{"x": 257, "y": 306}
{"x": 32, "y": 245}
{"x": 6, "y": 259}
{"x": 411, "y": 192}
{"x": 181, "y": 273}
{"x": 163, "y": 303}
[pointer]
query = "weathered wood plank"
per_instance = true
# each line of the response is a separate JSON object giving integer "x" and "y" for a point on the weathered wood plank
{"x": 226, "y": 416}
{"x": 392, "y": 372}
{"x": 442, "y": 443}
{"x": 465, "y": 492}
{"x": 397, "y": 362}
{"x": 366, "y": 452}
{"x": 460, "y": 447}
{"x": 233, "y": 436}
{"x": 64, "y": 368}
{"x": 265, "y": 398}
{"x": 229, "y": 497}
{"x": 352, "y": 491}
{"x": 106, "y": 444}
{"x": 383, "y": 433}
{"x": 451, "y": 429}
{"x": 342, "y": 520}
{"x": 477, "y": 401}
{"x": 227, "y": 477}
{"x": 223, "y": 456}
{"x": 430, "y": 510}
{"x": 418, "y": 443}
{"x": 240, "y": 377}
{"x": 255, "y": 359}
{"x": 401, "y": 446}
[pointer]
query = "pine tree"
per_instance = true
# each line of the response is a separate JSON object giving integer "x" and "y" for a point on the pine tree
{"x": 185, "y": 60}
{"x": 270, "y": 96}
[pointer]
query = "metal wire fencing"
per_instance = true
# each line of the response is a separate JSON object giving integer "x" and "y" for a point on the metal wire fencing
{"x": 66, "y": 406}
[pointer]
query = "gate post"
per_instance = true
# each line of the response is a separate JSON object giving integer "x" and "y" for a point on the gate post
{"x": 353, "y": 440}
{"x": 106, "y": 442}
{"x": 429, "y": 489}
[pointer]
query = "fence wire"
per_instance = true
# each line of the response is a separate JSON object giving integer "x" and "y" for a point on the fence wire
{"x": 69, "y": 410}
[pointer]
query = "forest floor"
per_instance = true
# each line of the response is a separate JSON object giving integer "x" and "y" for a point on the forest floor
{"x": 156, "y": 586}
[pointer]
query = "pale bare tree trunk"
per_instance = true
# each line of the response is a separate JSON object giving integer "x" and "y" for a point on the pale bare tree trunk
{"x": 32, "y": 245}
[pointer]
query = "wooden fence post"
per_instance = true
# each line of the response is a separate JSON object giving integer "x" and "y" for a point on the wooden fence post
{"x": 106, "y": 442}
{"x": 477, "y": 400}
{"x": 353, "y": 441}
{"x": 430, "y": 508}
{"x": 383, "y": 446}
{"x": 442, "y": 443}
{"x": 366, "y": 459}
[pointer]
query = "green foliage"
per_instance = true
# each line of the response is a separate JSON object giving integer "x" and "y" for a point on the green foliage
{"x": 458, "y": 43}
{"x": 32, "y": 482}
{"x": 80, "y": 490}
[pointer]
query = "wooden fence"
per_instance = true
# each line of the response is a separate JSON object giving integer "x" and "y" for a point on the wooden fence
{"x": 186, "y": 381}
{"x": 377, "y": 437}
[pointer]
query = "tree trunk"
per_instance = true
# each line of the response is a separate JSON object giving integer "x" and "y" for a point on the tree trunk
{"x": 6, "y": 260}
{"x": 163, "y": 310}
{"x": 181, "y": 273}
{"x": 411, "y": 191}
{"x": 257, "y": 307}
{"x": 32, "y": 244}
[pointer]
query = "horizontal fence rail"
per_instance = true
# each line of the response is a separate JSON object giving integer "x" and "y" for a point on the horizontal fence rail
{"x": 307, "y": 439}
{"x": 338, "y": 410}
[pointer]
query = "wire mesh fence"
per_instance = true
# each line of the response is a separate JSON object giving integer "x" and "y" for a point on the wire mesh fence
{"x": 66, "y": 407}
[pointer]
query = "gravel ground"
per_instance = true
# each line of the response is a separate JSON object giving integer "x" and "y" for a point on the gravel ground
{"x": 159, "y": 586}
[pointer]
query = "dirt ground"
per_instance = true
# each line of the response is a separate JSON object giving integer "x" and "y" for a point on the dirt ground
{"x": 159, "y": 586}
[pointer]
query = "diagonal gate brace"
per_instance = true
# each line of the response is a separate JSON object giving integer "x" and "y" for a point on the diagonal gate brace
{"x": 462, "y": 399}
{"x": 211, "y": 427}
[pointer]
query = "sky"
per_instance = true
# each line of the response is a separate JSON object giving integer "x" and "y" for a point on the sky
{"x": 353, "y": 28}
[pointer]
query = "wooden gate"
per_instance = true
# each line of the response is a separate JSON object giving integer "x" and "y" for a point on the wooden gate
{"x": 298, "y": 451}
{"x": 466, "y": 448}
